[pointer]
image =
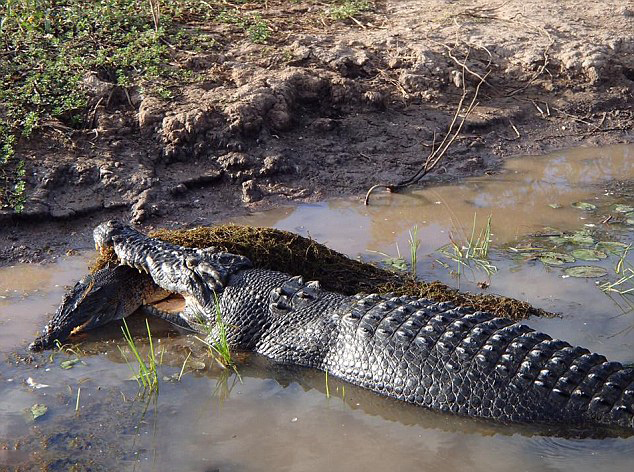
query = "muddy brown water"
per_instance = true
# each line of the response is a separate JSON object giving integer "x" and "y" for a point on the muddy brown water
{"x": 275, "y": 418}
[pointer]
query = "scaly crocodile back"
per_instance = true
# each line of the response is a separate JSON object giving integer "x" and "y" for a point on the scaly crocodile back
{"x": 431, "y": 354}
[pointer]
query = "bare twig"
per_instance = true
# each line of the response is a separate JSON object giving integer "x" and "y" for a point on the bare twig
{"x": 155, "y": 9}
{"x": 597, "y": 127}
{"x": 438, "y": 152}
{"x": 357, "y": 22}
{"x": 573, "y": 117}
{"x": 491, "y": 14}
{"x": 91, "y": 122}
{"x": 541, "y": 112}
{"x": 515, "y": 129}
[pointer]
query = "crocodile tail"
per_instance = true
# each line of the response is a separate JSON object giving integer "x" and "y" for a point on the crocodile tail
{"x": 472, "y": 363}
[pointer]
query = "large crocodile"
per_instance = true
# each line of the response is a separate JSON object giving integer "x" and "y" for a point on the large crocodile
{"x": 436, "y": 355}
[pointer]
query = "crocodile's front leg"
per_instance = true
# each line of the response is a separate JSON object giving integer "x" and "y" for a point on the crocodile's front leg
{"x": 196, "y": 274}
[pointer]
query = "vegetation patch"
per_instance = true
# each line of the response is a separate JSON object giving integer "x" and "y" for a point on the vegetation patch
{"x": 50, "y": 48}
{"x": 345, "y": 9}
{"x": 288, "y": 252}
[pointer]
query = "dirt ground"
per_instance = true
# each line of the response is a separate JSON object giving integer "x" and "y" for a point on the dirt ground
{"x": 328, "y": 108}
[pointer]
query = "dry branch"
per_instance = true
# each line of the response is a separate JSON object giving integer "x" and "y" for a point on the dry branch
{"x": 438, "y": 152}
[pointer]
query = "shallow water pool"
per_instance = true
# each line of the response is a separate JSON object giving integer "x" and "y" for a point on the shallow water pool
{"x": 273, "y": 418}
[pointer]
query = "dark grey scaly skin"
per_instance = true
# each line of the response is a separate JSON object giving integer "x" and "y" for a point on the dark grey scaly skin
{"x": 112, "y": 293}
{"x": 435, "y": 355}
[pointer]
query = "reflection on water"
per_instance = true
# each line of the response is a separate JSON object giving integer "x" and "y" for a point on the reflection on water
{"x": 517, "y": 199}
{"x": 275, "y": 418}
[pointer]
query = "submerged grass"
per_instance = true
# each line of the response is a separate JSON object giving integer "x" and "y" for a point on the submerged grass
{"x": 180, "y": 374}
{"x": 288, "y": 252}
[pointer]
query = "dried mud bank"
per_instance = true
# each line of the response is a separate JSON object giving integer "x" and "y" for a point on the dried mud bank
{"x": 328, "y": 109}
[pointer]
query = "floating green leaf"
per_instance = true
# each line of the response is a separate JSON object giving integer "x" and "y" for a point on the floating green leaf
{"x": 623, "y": 208}
{"x": 581, "y": 237}
{"x": 68, "y": 364}
{"x": 38, "y": 410}
{"x": 397, "y": 263}
{"x": 525, "y": 249}
{"x": 559, "y": 240}
{"x": 613, "y": 246}
{"x": 555, "y": 258}
{"x": 584, "y": 206}
{"x": 548, "y": 231}
{"x": 588, "y": 254}
{"x": 554, "y": 205}
{"x": 586, "y": 271}
{"x": 197, "y": 365}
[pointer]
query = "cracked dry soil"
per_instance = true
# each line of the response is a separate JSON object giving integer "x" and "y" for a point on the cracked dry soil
{"x": 328, "y": 109}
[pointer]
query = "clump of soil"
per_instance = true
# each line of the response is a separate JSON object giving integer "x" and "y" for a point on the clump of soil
{"x": 294, "y": 254}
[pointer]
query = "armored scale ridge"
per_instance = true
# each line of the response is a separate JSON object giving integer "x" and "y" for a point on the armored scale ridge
{"x": 436, "y": 355}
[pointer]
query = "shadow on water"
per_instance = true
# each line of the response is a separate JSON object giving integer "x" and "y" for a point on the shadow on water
{"x": 279, "y": 418}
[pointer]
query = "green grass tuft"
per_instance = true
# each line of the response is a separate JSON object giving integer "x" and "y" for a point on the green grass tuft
{"x": 472, "y": 253}
{"x": 217, "y": 337}
{"x": 146, "y": 373}
{"x": 414, "y": 244}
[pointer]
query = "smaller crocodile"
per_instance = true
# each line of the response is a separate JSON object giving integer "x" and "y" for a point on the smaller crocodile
{"x": 111, "y": 293}
{"x": 448, "y": 358}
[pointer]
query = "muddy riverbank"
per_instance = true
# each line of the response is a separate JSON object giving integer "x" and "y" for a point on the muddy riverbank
{"x": 325, "y": 108}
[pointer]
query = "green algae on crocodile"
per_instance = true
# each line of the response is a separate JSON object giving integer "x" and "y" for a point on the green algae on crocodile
{"x": 288, "y": 252}
{"x": 444, "y": 357}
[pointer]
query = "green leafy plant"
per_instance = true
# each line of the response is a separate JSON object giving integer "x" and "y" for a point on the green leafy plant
{"x": 50, "y": 48}
{"x": 399, "y": 263}
{"x": 258, "y": 29}
{"x": 348, "y": 9}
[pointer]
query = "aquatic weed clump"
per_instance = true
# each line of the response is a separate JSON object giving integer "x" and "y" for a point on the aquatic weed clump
{"x": 288, "y": 252}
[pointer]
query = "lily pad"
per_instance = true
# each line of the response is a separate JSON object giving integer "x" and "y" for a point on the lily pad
{"x": 581, "y": 237}
{"x": 555, "y": 258}
{"x": 554, "y": 205}
{"x": 38, "y": 410}
{"x": 525, "y": 249}
{"x": 589, "y": 254}
{"x": 396, "y": 263}
{"x": 613, "y": 246}
{"x": 623, "y": 208}
{"x": 548, "y": 231}
{"x": 68, "y": 364}
{"x": 586, "y": 271}
{"x": 585, "y": 206}
{"x": 559, "y": 240}
{"x": 197, "y": 365}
